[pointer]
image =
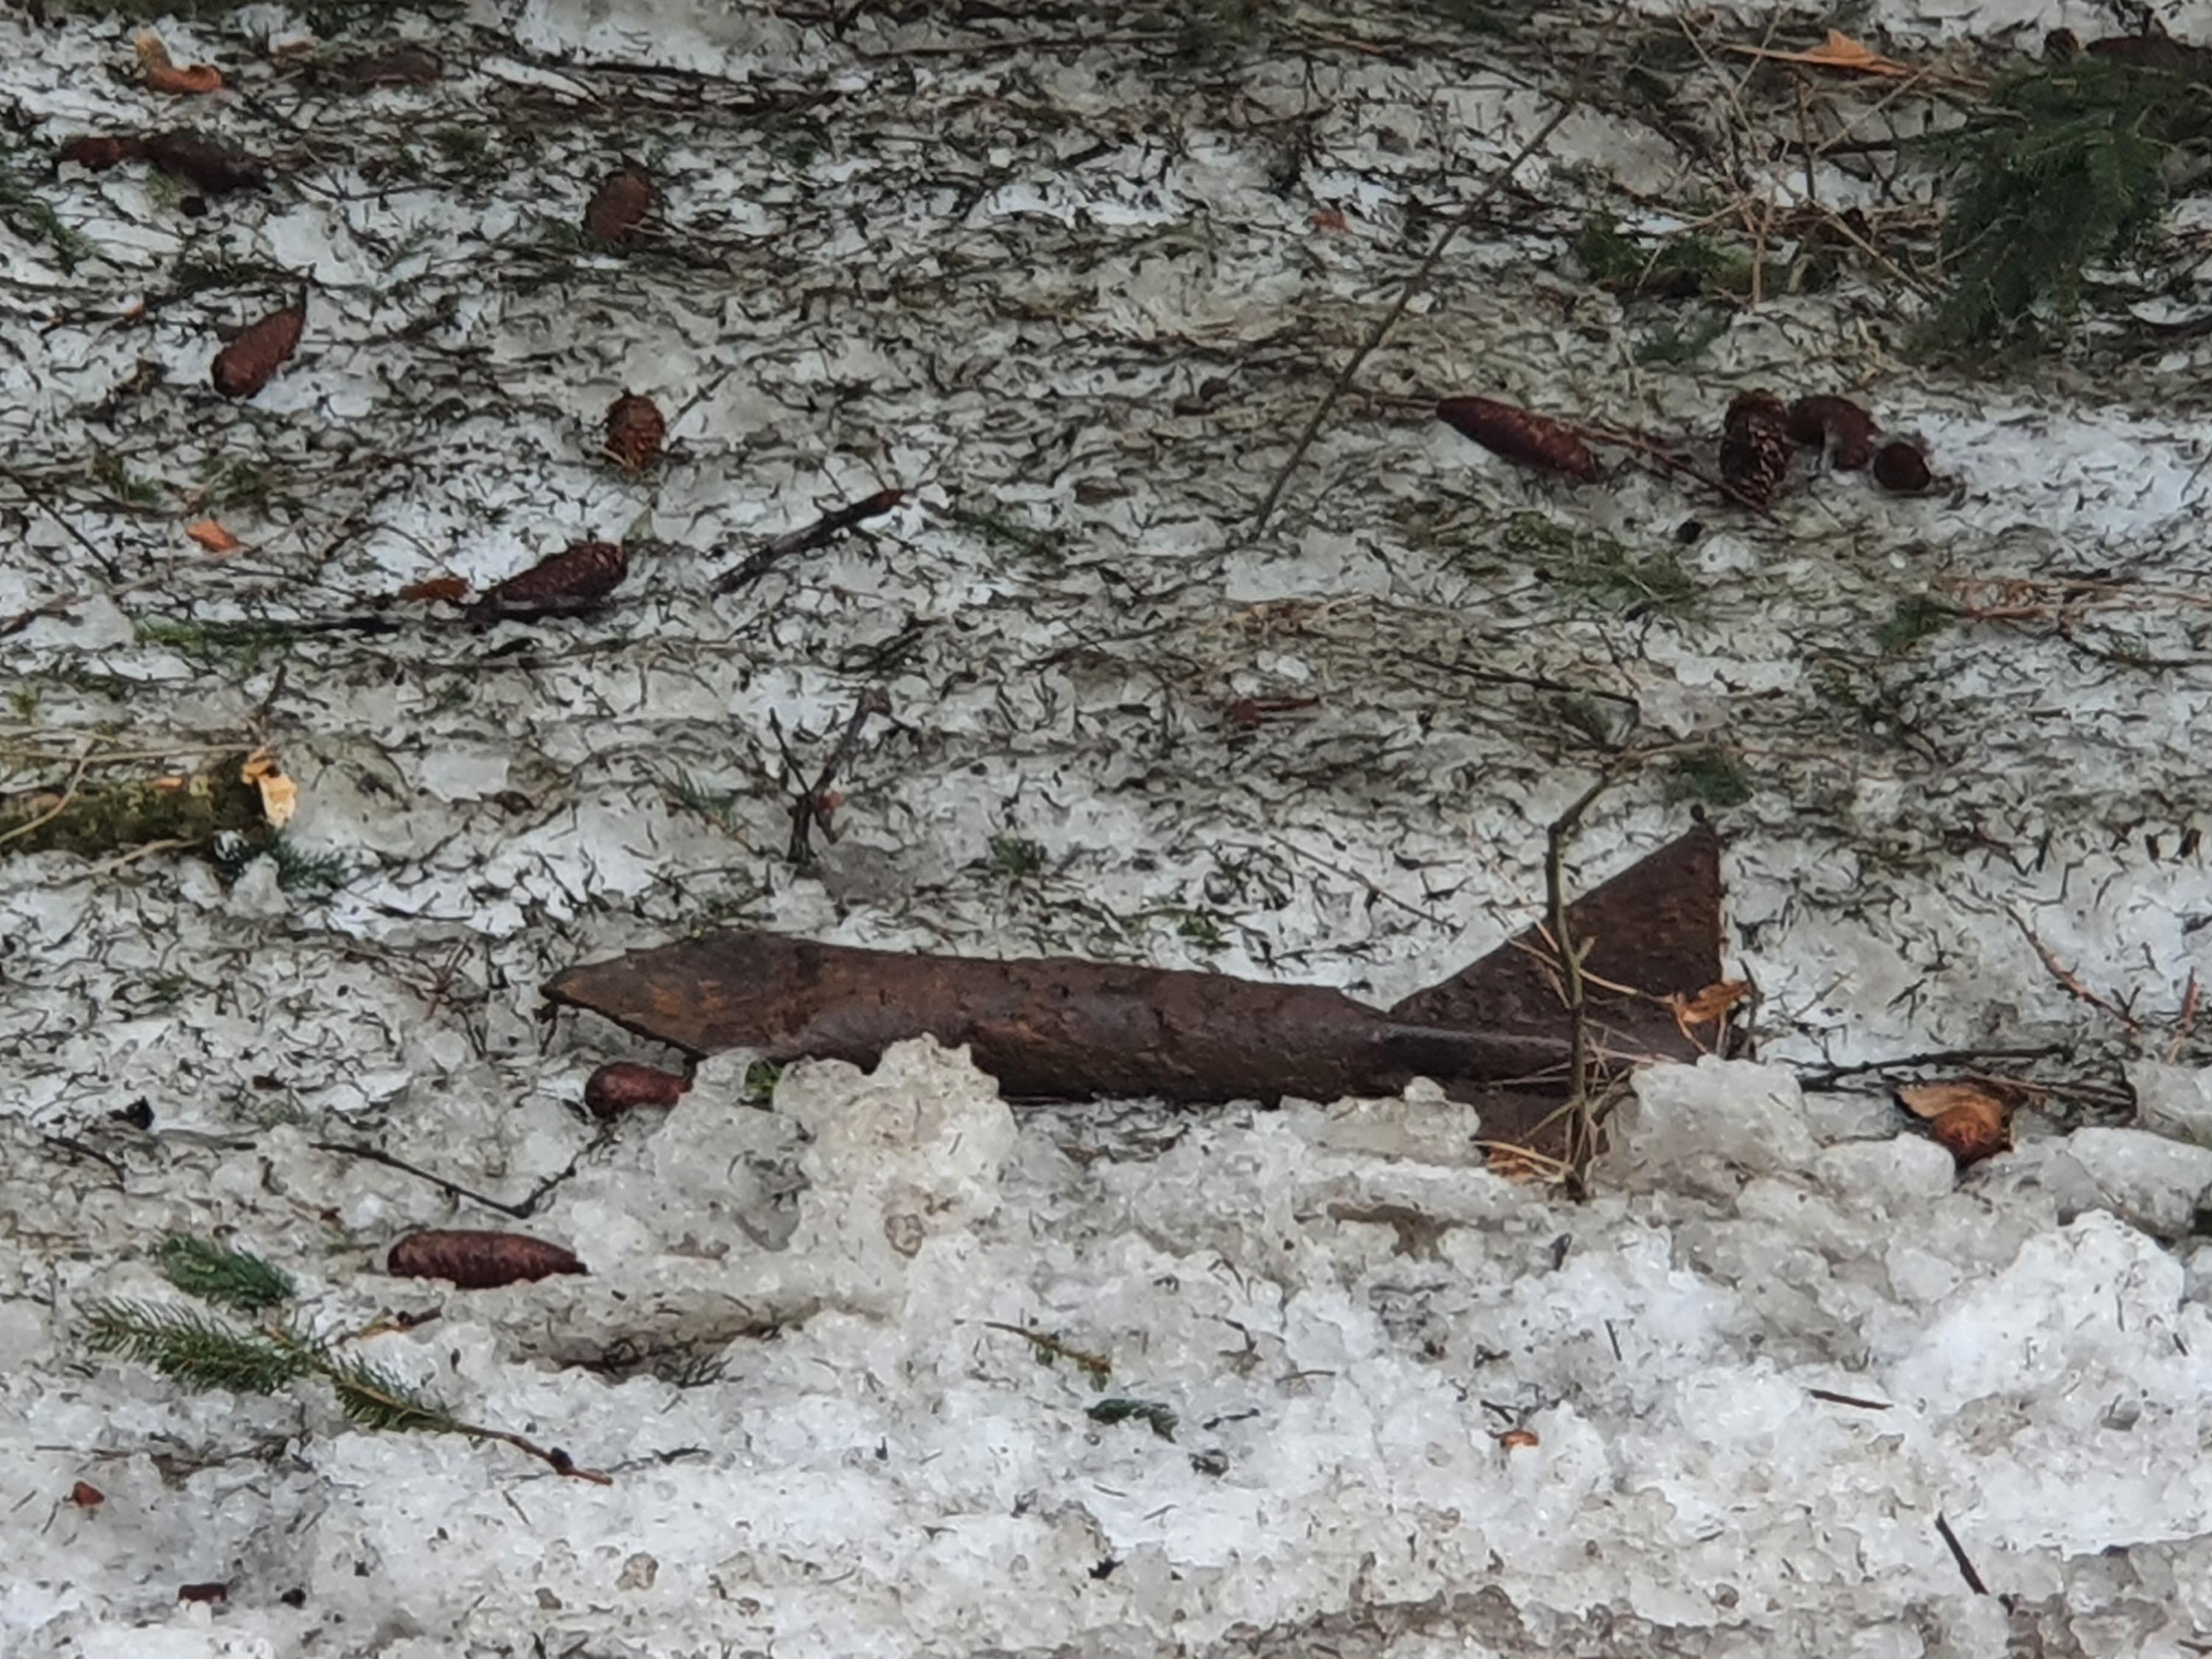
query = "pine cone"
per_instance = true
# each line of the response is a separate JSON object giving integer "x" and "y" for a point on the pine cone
{"x": 215, "y": 168}
{"x": 1755, "y": 446}
{"x": 1519, "y": 436}
{"x": 1835, "y": 423}
{"x": 477, "y": 1261}
{"x": 243, "y": 367}
{"x": 1900, "y": 468}
{"x": 568, "y": 583}
{"x": 623, "y": 1085}
{"x": 635, "y": 432}
{"x": 618, "y": 206}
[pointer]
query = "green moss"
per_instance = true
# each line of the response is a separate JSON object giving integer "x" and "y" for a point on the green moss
{"x": 1601, "y": 567}
{"x": 1712, "y": 776}
{"x": 1682, "y": 266}
{"x": 103, "y": 820}
{"x": 1916, "y": 618}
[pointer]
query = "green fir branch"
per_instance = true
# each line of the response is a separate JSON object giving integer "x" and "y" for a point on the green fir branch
{"x": 195, "y": 1348}
{"x": 229, "y": 1278}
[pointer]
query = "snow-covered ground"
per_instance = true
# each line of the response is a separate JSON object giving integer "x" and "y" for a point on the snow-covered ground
{"x": 1076, "y": 296}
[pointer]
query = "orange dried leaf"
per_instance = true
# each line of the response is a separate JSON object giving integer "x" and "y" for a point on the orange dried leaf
{"x": 433, "y": 588}
{"x": 213, "y": 537}
{"x": 1975, "y": 1131}
{"x": 162, "y": 74}
{"x": 86, "y": 1496}
{"x": 1838, "y": 51}
{"x": 1932, "y": 1100}
{"x": 1711, "y": 1004}
{"x": 1518, "y": 1439}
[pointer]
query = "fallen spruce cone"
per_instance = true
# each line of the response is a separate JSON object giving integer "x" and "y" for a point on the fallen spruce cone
{"x": 618, "y": 207}
{"x": 623, "y": 1085}
{"x": 1901, "y": 467}
{"x": 1756, "y": 448}
{"x": 574, "y": 580}
{"x": 403, "y": 65}
{"x": 1839, "y": 425}
{"x": 635, "y": 432}
{"x": 243, "y": 367}
{"x": 1528, "y": 440}
{"x": 215, "y": 167}
{"x": 477, "y": 1261}
{"x": 96, "y": 152}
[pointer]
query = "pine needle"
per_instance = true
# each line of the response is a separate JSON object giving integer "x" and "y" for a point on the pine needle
{"x": 229, "y": 1278}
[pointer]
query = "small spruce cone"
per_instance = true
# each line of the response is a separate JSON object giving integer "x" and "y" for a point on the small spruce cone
{"x": 623, "y": 1085}
{"x": 243, "y": 367}
{"x": 214, "y": 168}
{"x": 1900, "y": 468}
{"x": 96, "y": 152}
{"x": 618, "y": 208}
{"x": 567, "y": 583}
{"x": 402, "y": 65}
{"x": 635, "y": 432}
{"x": 1755, "y": 446}
{"x": 1835, "y": 423}
{"x": 1519, "y": 436}
{"x": 476, "y": 1260}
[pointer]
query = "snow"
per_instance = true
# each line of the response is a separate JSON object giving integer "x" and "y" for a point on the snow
{"x": 880, "y": 266}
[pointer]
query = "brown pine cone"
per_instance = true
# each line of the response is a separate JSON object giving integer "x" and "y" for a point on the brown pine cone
{"x": 476, "y": 1260}
{"x": 1901, "y": 468}
{"x": 1837, "y": 424}
{"x": 1518, "y": 435}
{"x": 568, "y": 583}
{"x": 618, "y": 208}
{"x": 243, "y": 367}
{"x": 635, "y": 432}
{"x": 1756, "y": 449}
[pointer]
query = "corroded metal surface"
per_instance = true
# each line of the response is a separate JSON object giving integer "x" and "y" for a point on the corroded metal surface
{"x": 1058, "y": 1028}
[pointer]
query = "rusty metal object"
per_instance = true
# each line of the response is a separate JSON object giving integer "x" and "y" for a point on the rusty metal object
{"x": 1059, "y": 1029}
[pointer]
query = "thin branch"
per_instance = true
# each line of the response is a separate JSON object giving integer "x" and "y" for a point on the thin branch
{"x": 1461, "y": 222}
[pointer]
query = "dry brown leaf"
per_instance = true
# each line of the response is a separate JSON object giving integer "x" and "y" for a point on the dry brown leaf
{"x": 162, "y": 74}
{"x": 213, "y": 537}
{"x": 1848, "y": 57}
{"x": 1979, "y": 1129}
{"x": 1518, "y": 1439}
{"x": 1932, "y": 1100}
{"x": 1331, "y": 220}
{"x": 1711, "y": 1004}
{"x": 86, "y": 1496}
{"x": 433, "y": 588}
{"x": 280, "y": 796}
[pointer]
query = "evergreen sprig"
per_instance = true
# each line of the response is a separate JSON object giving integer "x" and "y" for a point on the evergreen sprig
{"x": 194, "y": 1347}
{"x": 2071, "y": 167}
{"x": 229, "y": 1278}
{"x": 204, "y": 1351}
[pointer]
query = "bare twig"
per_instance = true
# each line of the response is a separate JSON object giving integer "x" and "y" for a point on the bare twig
{"x": 522, "y": 1211}
{"x": 2070, "y": 981}
{"x": 1582, "y": 1127}
{"x": 810, "y": 809}
{"x": 1959, "y": 1554}
{"x": 1451, "y": 232}
{"x": 824, "y": 531}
